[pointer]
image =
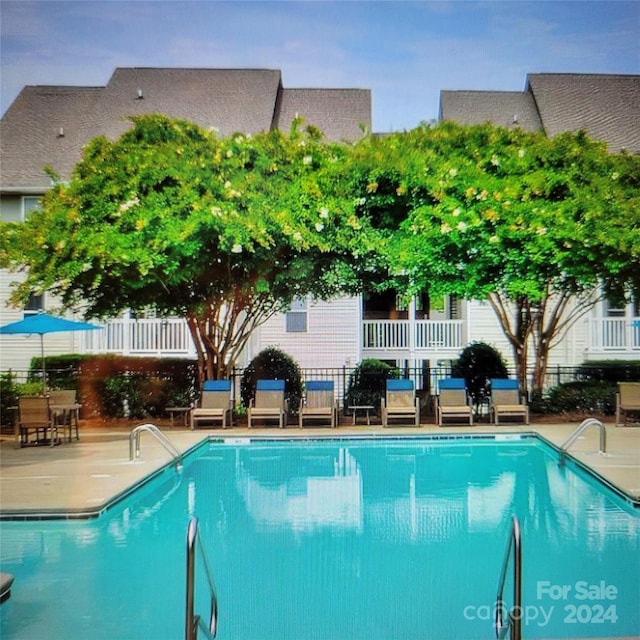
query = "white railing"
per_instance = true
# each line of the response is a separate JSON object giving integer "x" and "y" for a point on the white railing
{"x": 385, "y": 334}
{"x": 130, "y": 336}
{"x": 431, "y": 335}
{"x": 614, "y": 334}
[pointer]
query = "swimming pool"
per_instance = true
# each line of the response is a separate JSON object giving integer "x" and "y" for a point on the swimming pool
{"x": 337, "y": 538}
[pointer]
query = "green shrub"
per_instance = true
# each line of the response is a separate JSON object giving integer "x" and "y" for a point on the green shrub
{"x": 9, "y": 394}
{"x": 368, "y": 382}
{"x": 273, "y": 364}
{"x": 121, "y": 397}
{"x": 610, "y": 371}
{"x": 478, "y": 364}
{"x": 578, "y": 397}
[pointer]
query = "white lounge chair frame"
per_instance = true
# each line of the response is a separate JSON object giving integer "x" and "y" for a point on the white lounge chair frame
{"x": 400, "y": 403}
{"x": 506, "y": 401}
{"x": 319, "y": 403}
{"x": 453, "y": 402}
{"x": 627, "y": 401}
{"x": 216, "y": 403}
{"x": 269, "y": 403}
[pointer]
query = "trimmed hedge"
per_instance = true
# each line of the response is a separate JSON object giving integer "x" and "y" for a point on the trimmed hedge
{"x": 368, "y": 383}
{"x": 581, "y": 396}
{"x": 478, "y": 364}
{"x": 273, "y": 364}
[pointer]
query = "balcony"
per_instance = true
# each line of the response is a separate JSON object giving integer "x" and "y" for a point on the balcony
{"x": 614, "y": 337}
{"x": 412, "y": 339}
{"x": 141, "y": 337}
{"x": 607, "y": 338}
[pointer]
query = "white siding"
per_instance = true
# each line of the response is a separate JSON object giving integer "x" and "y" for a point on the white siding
{"x": 332, "y": 338}
{"x": 483, "y": 326}
{"x": 17, "y": 350}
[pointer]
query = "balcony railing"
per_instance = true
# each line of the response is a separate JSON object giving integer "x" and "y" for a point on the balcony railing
{"x": 614, "y": 334}
{"x": 171, "y": 337}
{"x": 428, "y": 335}
{"x": 166, "y": 336}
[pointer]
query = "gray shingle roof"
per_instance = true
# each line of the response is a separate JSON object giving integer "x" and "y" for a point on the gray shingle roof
{"x": 607, "y": 107}
{"x": 30, "y": 134}
{"x": 229, "y": 100}
{"x": 503, "y": 108}
{"x": 337, "y": 112}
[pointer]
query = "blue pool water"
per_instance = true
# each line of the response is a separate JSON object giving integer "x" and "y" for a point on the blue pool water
{"x": 337, "y": 539}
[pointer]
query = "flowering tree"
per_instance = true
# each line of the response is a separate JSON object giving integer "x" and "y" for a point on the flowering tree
{"x": 538, "y": 227}
{"x": 224, "y": 232}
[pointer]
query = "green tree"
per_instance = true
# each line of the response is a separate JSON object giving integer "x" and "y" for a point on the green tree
{"x": 224, "y": 232}
{"x": 535, "y": 226}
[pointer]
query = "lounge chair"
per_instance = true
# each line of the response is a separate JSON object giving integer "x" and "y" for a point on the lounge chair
{"x": 35, "y": 417}
{"x": 64, "y": 410}
{"x": 400, "y": 403}
{"x": 506, "y": 401}
{"x": 627, "y": 400}
{"x": 453, "y": 402}
{"x": 319, "y": 403}
{"x": 216, "y": 403}
{"x": 268, "y": 403}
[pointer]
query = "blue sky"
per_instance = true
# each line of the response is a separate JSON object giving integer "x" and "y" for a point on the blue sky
{"x": 405, "y": 52}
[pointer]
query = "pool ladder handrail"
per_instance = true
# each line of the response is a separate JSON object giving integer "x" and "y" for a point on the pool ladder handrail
{"x": 194, "y": 622}
{"x": 134, "y": 443}
{"x": 514, "y": 622}
{"x": 585, "y": 424}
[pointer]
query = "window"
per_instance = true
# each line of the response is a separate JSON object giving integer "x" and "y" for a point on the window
{"x": 29, "y": 203}
{"x": 296, "y": 317}
{"x": 455, "y": 308}
{"x": 614, "y": 308}
{"x": 34, "y": 305}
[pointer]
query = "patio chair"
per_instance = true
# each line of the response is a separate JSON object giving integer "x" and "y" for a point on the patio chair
{"x": 319, "y": 403}
{"x": 627, "y": 400}
{"x": 64, "y": 410}
{"x": 268, "y": 403}
{"x": 453, "y": 402}
{"x": 216, "y": 403}
{"x": 506, "y": 401}
{"x": 34, "y": 417}
{"x": 400, "y": 403}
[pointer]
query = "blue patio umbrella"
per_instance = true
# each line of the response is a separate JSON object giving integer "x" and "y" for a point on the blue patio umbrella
{"x": 41, "y": 324}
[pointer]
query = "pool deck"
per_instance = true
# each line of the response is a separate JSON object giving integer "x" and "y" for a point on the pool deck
{"x": 79, "y": 478}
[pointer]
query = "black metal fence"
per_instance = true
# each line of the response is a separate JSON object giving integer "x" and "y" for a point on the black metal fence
{"x": 426, "y": 379}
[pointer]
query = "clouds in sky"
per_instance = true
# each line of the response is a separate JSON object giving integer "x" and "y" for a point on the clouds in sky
{"x": 405, "y": 52}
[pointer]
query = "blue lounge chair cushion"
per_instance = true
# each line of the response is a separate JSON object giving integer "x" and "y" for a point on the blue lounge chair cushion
{"x": 216, "y": 385}
{"x": 453, "y": 383}
{"x": 400, "y": 385}
{"x": 504, "y": 384}
{"x": 270, "y": 385}
{"x": 319, "y": 385}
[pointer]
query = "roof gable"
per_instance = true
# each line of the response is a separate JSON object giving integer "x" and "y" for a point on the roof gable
{"x": 228, "y": 100}
{"x": 502, "y": 108}
{"x": 338, "y": 113}
{"x": 44, "y": 126}
{"x": 607, "y": 107}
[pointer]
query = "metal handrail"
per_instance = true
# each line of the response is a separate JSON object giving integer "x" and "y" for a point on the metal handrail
{"x": 578, "y": 432}
{"x": 193, "y": 621}
{"x": 134, "y": 442}
{"x": 514, "y": 622}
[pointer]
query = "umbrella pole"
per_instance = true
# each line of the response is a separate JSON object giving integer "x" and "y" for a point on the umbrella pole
{"x": 44, "y": 373}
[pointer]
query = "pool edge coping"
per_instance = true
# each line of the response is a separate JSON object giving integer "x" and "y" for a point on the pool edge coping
{"x": 82, "y": 513}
